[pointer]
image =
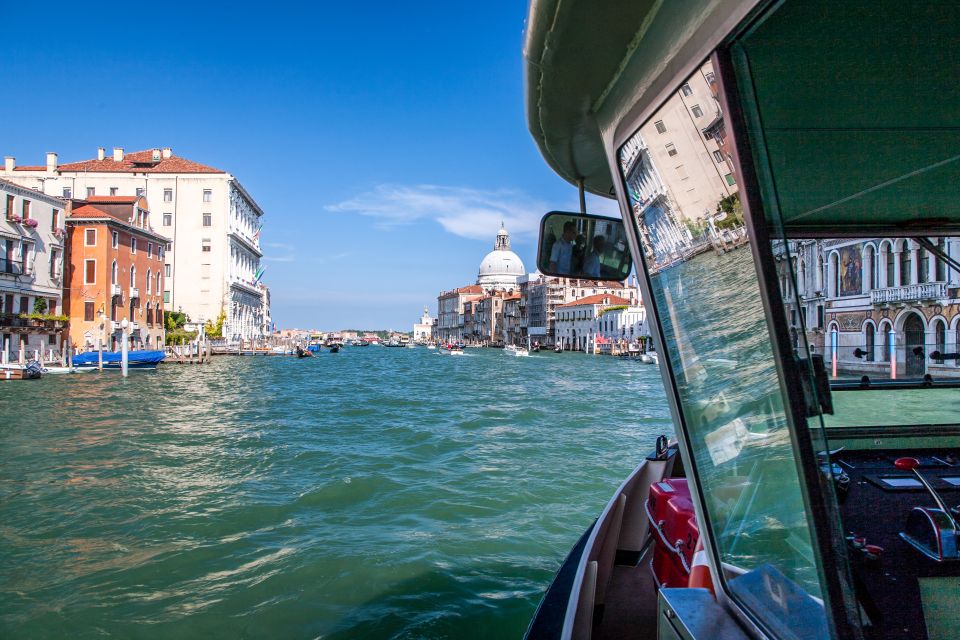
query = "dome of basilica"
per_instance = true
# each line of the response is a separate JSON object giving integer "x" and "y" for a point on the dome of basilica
{"x": 500, "y": 268}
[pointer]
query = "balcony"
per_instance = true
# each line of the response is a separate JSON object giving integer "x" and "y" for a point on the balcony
{"x": 13, "y": 267}
{"x": 910, "y": 293}
{"x": 134, "y": 293}
{"x": 115, "y": 290}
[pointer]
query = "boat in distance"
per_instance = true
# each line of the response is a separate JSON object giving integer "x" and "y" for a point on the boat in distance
{"x": 798, "y": 256}
{"x": 137, "y": 359}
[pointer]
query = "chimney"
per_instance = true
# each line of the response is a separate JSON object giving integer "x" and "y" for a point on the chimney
{"x": 9, "y": 162}
{"x": 118, "y": 154}
{"x": 155, "y": 156}
{"x": 51, "y": 161}
{"x": 100, "y": 153}
{"x": 167, "y": 152}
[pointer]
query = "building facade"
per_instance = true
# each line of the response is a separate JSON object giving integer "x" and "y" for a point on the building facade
{"x": 213, "y": 257}
{"x": 423, "y": 330}
{"x": 542, "y": 295}
{"x": 576, "y": 322}
{"x": 882, "y": 307}
{"x": 116, "y": 273}
{"x": 451, "y": 309}
{"x": 32, "y": 232}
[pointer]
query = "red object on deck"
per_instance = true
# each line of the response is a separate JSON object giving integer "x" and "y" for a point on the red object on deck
{"x": 676, "y": 533}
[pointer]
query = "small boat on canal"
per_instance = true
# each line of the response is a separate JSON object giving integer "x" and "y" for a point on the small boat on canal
{"x": 137, "y": 359}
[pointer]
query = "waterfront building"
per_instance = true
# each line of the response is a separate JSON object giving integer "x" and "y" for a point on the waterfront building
{"x": 116, "y": 273}
{"x": 501, "y": 268}
{"x": 621, "y": 327}
{"x": 451, "y": 310}
{"x": 423, "y": 330}
{"x": 861, "y": 300}
{"x": 213, "y": 257}
{"x": 32, "y": 235}
{"x": 511, "y": 319}
{"x": 576, "y": 321}
{"x": 541, "y": 295}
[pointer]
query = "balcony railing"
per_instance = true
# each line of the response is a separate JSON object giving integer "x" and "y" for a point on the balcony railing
{"x": 910, "y": 293}
{"x": 115, "y": 290}
{"x": 134, "y": 293}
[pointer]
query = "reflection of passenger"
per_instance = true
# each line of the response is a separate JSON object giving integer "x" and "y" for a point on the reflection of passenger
{"x": 562, "y": 251}
{"x": 591, "y": 264}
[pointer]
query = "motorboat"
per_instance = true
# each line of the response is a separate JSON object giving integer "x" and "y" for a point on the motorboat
{"x": 303, "y": 353}
{"x": 31, "y": 370}
{"x": 431, "y": 346}
{"x": 54, "y": 370}
{"x": 136, "y": 359}
{"x": 334, "y": 347}
{"x": 513, "y": 350}
{"x": 809, "y": 488}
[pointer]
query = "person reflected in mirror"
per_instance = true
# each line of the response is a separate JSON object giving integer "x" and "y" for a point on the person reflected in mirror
{"x": 591, "y": 264}
{"x": 561, "y": 253}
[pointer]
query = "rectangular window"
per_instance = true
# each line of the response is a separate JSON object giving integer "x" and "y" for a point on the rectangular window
{"x": 730, "y": 180}
{"x": 55, "y": 219}
{"x": 113, "y": 191}
{"x": 90, "y": 238}
{"x": 167, "y": 219}
{"x": 67, "y": 192}
{"x": 9, "y": 207}
{"x": 661, "y": 128}
{"x": 88, "y": 311}
{"x": 718, "y": 156}
{"x": 207, "y": 219}
{"x": 166, "y": 297}
{"x": 671, "y": 150}
{"x": 54, "y": 264}
{"x": 91, "y": 191}
{"x": 140, "y": 191}
{"x": 167, "y": 270}
{"x": 697, "y": 111}
{"x": 149, "y": 249}
{"x": 133, "y": 245}
{"x": 115, "y": 240}
{"x": 686, "y": 90}
{"x": 206, "y": 248}
{"x": 207, "y": 195}
{"x": 89, "y": 272}
{"x": 26, "y": 210}
{"x": 168, "y": 195}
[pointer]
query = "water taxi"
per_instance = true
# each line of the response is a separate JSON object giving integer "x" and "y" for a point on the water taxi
{"x": 786, "y": 174}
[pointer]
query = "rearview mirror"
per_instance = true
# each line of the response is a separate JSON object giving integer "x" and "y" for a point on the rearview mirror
{"x": 577, "y": 245}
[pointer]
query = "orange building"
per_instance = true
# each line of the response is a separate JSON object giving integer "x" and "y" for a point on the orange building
{"x": 116, "y": 273}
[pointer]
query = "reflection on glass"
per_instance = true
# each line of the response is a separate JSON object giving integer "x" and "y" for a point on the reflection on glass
{"x": 685, "y": 202}
{"x": 580, "y": 246}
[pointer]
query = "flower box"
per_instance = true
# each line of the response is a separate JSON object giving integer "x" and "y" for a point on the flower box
{"x": 33, "y": 224}
{"x": 16, "y": 219}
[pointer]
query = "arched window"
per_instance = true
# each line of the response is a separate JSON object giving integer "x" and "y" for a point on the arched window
{"x": 833, "y": 271}
{"x": 113, "y": 273}
{"x": 904, "y": 264}
{"x": 940, "y": 339}
{"x": 149, "y": 281}
{"x": 870, "y": 342}
{"x": 891, "y": 270}
{"x": 869, "y": 279}
{"x": 159, "y": 283}
{"x": 941, "y": 267}
{"x": 133, "y": 276}
{"x": 923, "y": 265}
{"x": 883, "y": 341}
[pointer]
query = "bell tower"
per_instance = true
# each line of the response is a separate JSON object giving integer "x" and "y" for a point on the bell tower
{"x": 503, "y": 240}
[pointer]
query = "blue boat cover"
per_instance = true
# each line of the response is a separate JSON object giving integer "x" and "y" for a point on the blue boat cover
{"x": 113, "y": 357}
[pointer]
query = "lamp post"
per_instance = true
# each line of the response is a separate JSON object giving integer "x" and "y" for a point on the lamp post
{"x": 124, "y": 347}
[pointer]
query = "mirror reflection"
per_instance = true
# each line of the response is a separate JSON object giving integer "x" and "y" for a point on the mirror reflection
{"x": 574, "y": 245}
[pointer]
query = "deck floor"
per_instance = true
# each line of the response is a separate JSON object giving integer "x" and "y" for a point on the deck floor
{"x": 630, "y": 610}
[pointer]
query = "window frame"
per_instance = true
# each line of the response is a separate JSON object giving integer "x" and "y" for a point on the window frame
{"x": 87, "y": 233}
{"x": 86, "y": 270}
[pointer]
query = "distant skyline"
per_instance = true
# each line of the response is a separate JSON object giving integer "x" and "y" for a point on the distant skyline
{"x": 385, "y": 145}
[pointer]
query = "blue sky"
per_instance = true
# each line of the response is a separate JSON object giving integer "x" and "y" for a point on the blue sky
{"x": 384, "y": 140}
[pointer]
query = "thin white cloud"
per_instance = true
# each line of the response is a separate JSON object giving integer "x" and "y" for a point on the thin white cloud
{"x": 470, "y": 213}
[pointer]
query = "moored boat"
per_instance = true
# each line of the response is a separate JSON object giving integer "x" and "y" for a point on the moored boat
{"x": 137, "y": 359}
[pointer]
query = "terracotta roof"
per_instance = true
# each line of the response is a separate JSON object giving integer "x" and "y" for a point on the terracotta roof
{"x": 112, "y": 199}
{"x": 136, "y": 161}
{"x": 474, "y": 288}
{"x": 597, "y": 299}
{"x": 89, "y": 211}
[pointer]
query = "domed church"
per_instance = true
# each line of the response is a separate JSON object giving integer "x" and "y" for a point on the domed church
{"x": 501, "y": 268}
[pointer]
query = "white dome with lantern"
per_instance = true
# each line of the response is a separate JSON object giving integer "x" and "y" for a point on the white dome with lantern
{"x": 501, "y": 268}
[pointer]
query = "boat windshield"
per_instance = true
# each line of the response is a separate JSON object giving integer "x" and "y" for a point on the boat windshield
{"x": 685, "y": 202}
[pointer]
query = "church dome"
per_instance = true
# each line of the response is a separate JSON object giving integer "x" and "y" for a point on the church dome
{"x": 500, "y": 268}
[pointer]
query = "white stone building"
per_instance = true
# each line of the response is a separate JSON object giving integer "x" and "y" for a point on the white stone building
{"x": 213, "y": 222}
{"x": 32, "y": 236}
{"x": 423, "y": 330}
{"x": 576, "y": 322}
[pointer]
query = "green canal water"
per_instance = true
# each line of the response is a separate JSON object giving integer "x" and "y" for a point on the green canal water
{"x": 374, "y": 493}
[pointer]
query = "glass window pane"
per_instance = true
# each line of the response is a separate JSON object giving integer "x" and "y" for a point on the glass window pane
{"x": 707, "y": 296}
